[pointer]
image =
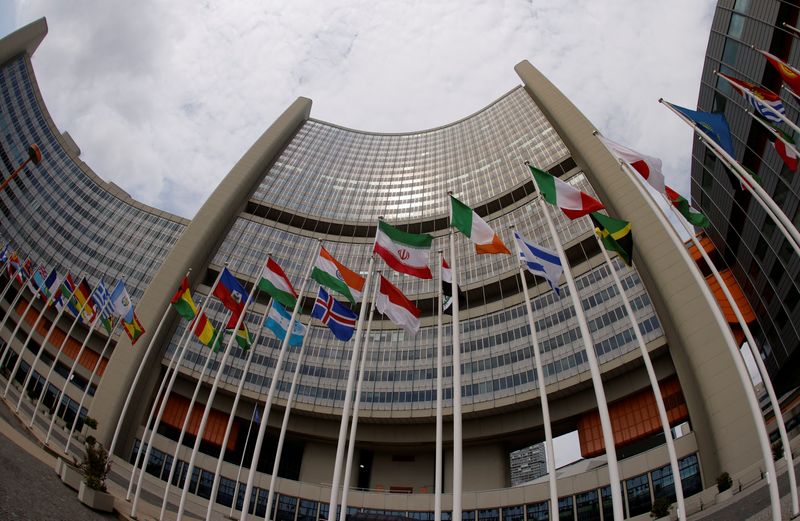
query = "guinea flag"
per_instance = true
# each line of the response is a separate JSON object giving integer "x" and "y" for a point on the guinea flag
{"x": 182, "y": 301}
{"x": 402, "y": 251}
{"x": 392, "y": 303}
{"x": 572, "y": 201}
{"x": 682, "y": 205}
{"x": 205, "y": 332}
{"x": 470, "y": 224}
{"x": 274, "y": 282}
{"x": 615, "y": 234}
{"x": 335, "y": 275}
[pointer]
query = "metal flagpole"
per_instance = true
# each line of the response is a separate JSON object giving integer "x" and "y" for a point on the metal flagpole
{"x": 89, "y": 384}
{"x": 11, "y": 338}
{"x": 262, "y": 428}
{"x": 437, "y": 480}
{"x": 770, "y": 108}
{"x": 457, "y": 433}
{"x": 537, "y": 360}
{"x": 7, "y": 287}
{"x": 241, "y": 463}
{"x": 354, "y": 422}
{"x": 162, "y": 407}
{"x": 139, "y": 374}
{"x": 10, "y": 309}
{"x": 232, "y": 416}
{"x": 651, "y": 375}
{"x": 594, "y": 368}
{"x": 348, "y": 398}
{"x": 285, "y": 424}
{"x": 784, "y": 224}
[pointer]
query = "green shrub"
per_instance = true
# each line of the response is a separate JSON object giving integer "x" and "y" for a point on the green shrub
{"x": 660, "y": 508}
{"x": 724, "y": 482}
{"x": 95, "y": 466}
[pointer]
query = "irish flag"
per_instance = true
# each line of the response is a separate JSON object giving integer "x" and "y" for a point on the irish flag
{"x": 182, "y": 301}
{"x": 275, "y": 282}
{"x": 402, "y": 251}
{"x": 335, "y": 275}
{"x": 470, "y": 224}
{"x": 572, "y": 201}
{"x": 392, "y": 303}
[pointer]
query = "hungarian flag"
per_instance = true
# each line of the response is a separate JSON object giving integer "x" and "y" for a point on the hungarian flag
{"x": 647, "y": 166}
{"x": 447, "y": 290}
{"x": 133, "y": 328}
{"x": 682, "y": 205}
{"x": 615, "y": 234}
{"x": 182, "y": 301}
{"x": 764, "y": 101}
{"x": 231, "y": 293}
{"x": 392, "y": 303}
{"x": 335, "y": 275}
{"x": 470, "y": 224}
{"x": 205, "y": 332}
{"x": 790, "y": 75}
{"x": 275, "y": 283}
{"x": 402, "y": 251}
{"x": 572, "y": 201}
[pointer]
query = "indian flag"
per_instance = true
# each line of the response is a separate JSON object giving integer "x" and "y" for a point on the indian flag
{"x": 572, "y": 201}
{"x": 392, "y": 303}
{"x": 335, "y": 275}
{"x": 402, "y": 251}
{"x": 470, "y": 224}
{"x": 182, "y": 301}
{"x": 275, "y": 282}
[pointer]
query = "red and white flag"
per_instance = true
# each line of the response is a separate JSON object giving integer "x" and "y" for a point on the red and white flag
{"x": 648, "y": 167}
{"x": 392, "y": 303}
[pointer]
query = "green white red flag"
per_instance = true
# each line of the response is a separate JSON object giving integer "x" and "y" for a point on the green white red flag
{"x": 572, "y": 201}
{"x": 274, "y": 282}
{"x": 404, "y": 252}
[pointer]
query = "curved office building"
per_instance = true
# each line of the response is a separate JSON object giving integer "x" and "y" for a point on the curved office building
{"x": 306, "y": 180}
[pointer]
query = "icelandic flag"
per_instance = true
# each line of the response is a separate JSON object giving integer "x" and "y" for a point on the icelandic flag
{"x": 338, "y": 317}
{"x": 231, "y": 293}
{"x": 540, "y": 261}
{"x": 278, "y": 321}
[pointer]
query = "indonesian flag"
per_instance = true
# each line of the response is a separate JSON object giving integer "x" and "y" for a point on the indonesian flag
{"x": 335, "y": 275}
{"x": 470, "y": 224}
{"x": 274, "y": 282}
{"x": 790, "y": 75}
{"x": 392, "y": 303}
{"x": 402, "y": 251}
{"x": 648, "y": 167}
{"x": 572, "y": 201}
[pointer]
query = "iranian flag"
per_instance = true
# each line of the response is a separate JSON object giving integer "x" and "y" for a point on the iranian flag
{"x": 275, "y": 282}
{"x": 335, "y": 275}
{"x": 470, "y": 224}
{"x": 572, "y": 201}
{"x": 402, "y": 251}
{"x": 648, "y": 167}
{"x": 392, "y": 303}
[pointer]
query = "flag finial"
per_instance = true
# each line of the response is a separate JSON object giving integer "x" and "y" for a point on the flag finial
{"x": 449, "y": 192}
{"x": 594, "y": 132}
{"x": 527, "y": 162}
{"x": 661, "y": 100}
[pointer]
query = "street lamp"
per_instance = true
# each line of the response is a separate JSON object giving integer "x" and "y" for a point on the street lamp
{"x": 34, "y": 155}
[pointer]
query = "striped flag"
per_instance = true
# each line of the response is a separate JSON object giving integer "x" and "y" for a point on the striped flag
{"x": 182, "y": 301}
{"x": 761, "y": 99}
{"x": 540, "y": 261}
{"x": 447, "y": 290}
{"x": 404, "y": 252}
{"x": 274, "y": 282}
{"x": 392, "y": 303}
{"x": 470, "y": 224}
{"x": 572, "y": 201}
{"x": 333, "y": 274}
{"x": 278, "y": 321}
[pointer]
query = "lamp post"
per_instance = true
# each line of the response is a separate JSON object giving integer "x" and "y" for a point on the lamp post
{"x": 34, "y": 155}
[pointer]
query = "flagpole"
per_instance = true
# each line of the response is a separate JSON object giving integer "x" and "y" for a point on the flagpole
{"x": 537, "y": 360}
{"x": 285, "y": 424}
{"x": 594, "y": 368}
{"x": 262, "y": 427}
{"x": 6, "y": 288}
{"x": 456, "y": 363}
{"x": 139, "y": 374}
{"x": 162, "y": 407}
{"x": 784, "y": 224}
{"x": 241, "y": 463}
{"x": 89, "y": 384}
{"x": 11, "y": 309}
{"x": 232, "y": 416}
{"x": 348, "y": 468}
{"x": 348, "y": 397}
{"x": 437, "y": 480}
{"x": 11, "y": 338}
{"x": 771, "y": 130}
{"x": 770, "y": 108}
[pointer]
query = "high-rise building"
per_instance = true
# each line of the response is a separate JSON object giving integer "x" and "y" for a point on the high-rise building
{"x": 527, "y": 464}
{"x": 305, "y": 180}
{"x": 760, "y": 262}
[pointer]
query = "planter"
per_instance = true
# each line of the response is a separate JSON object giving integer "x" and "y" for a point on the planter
{"x": 59, "y": 466}
{"x": 71, "y": 476}
{"x": 724, "y": 496}
{"x": 95, "y": 499}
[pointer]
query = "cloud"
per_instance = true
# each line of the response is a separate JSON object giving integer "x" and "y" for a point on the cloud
{"x": 163, "y": 98}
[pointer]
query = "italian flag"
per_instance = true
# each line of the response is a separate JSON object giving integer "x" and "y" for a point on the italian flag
{"x": 182, "y": 301}
{"x": 470, "y": 224}
{"x": 572, "y": 201}
{"x": 402, "y": 251}
{"x": 392, "y": 303}
{"x": 335, "y": 275}
{"x": 275, "y": 282}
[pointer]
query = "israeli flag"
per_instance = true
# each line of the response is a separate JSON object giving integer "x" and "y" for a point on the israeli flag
{"x": 540, "y": 261}
{"x": 278, "y": 320}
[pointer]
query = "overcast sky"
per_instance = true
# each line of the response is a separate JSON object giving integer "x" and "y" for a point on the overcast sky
{"x": 164, "y": 97}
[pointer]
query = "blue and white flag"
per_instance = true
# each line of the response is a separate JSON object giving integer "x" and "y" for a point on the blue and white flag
{"x": 256, "y": 416}
{"x": 121, "y": 304}
{"x": 338, "y": 317}
{"x": 4, "y": 254}
{"x": 278, "y": 320}
{"x": 540, "y": 261}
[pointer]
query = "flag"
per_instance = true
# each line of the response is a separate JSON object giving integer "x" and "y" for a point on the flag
{"x": 102, "y": 300}
{"x": 540, "y": 261}
{"x": 37, "y": 282}
{"x": 572, "y": 201}
{"x": 712, "y": 124}
{"x": 682, "y": 205}
{"x": 51, "y": 284}
{"x": 331, "y": 273}
{"x": 4, "y": 254}
{"x": 790, "y": 75}
{"x": 121, "y": 304}
{"x": 647, "y": 166}
{"x": 15, "y": 266}
{"x": 242, "y": 336}
{"x": 133, "y": 328}
{"x": 402, "y": 251}
{"x": 392, "y": 303}
{"x": 182, "y": 301}
{"x": 759, "y": 98}
{"x": 256, "y": 415}
{"x": 470, "y": 224}
{"x": 278, "y": 320}
{"x": 82, "y": 295}
{"x": 63, "y": 295}
{"x": 205, "y": 332}
{"x": 231, "y": 293}
{"x": 338, "y": 317}
{"x": 274, "y": 282}
{"x": 447, "y": 290}
{"x": 615, "y": 234}
{"x": 788, "y": 154}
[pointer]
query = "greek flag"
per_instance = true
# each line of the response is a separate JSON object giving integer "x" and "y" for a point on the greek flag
{"x": 540, "y": 261}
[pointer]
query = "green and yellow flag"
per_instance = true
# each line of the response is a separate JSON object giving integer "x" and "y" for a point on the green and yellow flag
{"x": 615, "y": 234}
{"x": 182, "y": 301}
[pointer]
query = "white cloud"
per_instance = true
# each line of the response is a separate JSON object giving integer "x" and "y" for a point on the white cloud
{"x": 163, "y": 98}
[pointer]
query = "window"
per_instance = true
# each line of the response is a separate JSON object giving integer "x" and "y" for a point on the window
{"x": 736, "y": 26}
{"x": 488, "y": 514}
{"x": 513, "y": 514}
{"x": 566, "y": 512}
{"x": 740, "y": 6}
{"x": 225, "y": 491}
{"x": 690, "y": 475}
{"x": 729, "y": 52}
{"x": 638, "y": 495}
{"x": 588, "y": 506}
{"x": 663, "y": 484}
{"x": 538, "y": 511}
